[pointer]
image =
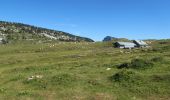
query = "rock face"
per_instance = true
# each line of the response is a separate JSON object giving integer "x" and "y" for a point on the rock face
{"x": 19, "y": 31}
{"x": 108, "y": 38}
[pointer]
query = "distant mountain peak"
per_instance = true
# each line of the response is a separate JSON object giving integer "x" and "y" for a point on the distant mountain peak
{"x": 110, "y": 38}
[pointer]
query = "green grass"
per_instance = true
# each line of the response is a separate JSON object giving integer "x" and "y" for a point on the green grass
{"x": 78, "y": 71}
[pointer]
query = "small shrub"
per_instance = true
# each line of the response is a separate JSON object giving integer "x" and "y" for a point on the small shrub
{"x": 124, "y": 76}
{"x": 141, "y": 64}
{"x": 124, "y": 65}
{"x": 157, "y": 59}
{"x": 137, "y": 64}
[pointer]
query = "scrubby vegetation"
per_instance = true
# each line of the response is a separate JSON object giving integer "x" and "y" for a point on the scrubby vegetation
{"x": 83, "y": 71}
{"x": 138, "y": 64}
{"x": 127, "y": 76}
{"x": 18, "y": 31}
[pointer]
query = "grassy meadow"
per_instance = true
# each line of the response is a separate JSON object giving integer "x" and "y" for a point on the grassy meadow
{"x": 84, "y": 71}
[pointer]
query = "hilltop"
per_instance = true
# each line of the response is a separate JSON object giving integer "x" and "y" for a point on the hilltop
{"x": 18, "y": 31}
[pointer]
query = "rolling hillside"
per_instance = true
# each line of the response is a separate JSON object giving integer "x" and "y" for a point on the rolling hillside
{"x": 84, "y": 71}
{"x": 19, "y": 31}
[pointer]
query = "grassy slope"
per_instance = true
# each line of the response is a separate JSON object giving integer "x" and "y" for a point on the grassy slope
{"x": 78, "y": 72}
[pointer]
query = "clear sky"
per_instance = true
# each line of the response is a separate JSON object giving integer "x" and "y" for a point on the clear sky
{"x": 133, "y": 19}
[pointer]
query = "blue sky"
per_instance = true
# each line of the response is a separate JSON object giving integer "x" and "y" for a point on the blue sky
{"x": 133, "y": 19}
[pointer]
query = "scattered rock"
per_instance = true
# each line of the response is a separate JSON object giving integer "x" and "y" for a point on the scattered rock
{"x": 108, "y": 69}
{"x": 121, "y": 51}
{"x": 30, "y": 78}
{"x": 39, "y": 76}
{"x": 35, "y": 77}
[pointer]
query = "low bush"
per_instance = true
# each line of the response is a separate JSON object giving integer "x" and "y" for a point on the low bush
{"x": 137, "y": 64}
{"x": 125, "y": 76}
{"x": 141, "y": 64}
{"x": 157, "y": 59}
{"x": 124, "y": 65}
